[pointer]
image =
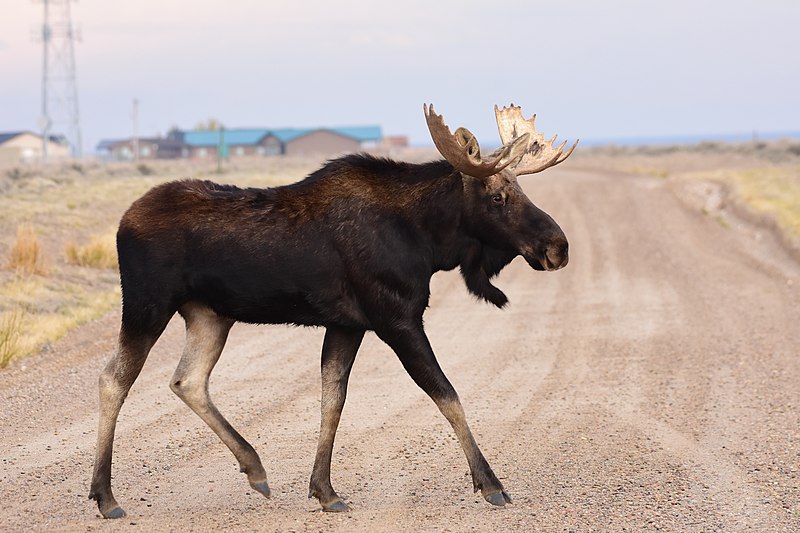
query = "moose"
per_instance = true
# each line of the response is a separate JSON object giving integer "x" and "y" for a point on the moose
{"x": 351, "y": 248}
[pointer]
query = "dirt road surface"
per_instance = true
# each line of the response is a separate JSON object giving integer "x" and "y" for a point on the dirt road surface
{"x": 652, "y": 384}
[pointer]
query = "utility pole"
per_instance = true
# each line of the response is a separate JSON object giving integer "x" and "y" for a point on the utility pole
{"x": 135, "y": 117}
{"x": 59, "y": 82}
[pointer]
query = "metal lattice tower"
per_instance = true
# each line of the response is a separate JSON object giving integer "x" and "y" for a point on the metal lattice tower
{"x": 59, "y": 86}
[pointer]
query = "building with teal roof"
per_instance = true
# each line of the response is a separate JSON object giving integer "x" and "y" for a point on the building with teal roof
{"x": 238, "y": 142}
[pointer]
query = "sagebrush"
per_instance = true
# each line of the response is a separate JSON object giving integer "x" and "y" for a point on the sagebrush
{"x": 26, "y": 255}
{"x": 99, "y": 252}
{"x": 10, "y": 328}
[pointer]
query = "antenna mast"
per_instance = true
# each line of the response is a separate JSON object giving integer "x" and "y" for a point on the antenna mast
{"x": 59, "y": 84}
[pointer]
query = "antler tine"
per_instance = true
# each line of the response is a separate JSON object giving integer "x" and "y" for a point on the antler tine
{"x": 540, "y": 154}
{"x": 568, "y": 152}
{"x": 461, "y": 148}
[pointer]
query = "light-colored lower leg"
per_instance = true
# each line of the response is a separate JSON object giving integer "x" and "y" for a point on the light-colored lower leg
{"x": 115, "y": 381}
{"x": 338, "y": 353}
{"x": 413, "y": 348}
{"x": 333, "y": 397}
{"x": 206, "y": 333}
{"x": 483, "y": 478}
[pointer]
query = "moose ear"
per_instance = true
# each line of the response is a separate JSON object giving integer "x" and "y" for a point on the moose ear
{"x": 510, "y": 153}
{"x": 518, "y": 148}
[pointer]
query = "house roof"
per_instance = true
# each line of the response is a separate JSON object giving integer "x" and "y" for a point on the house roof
{"x": 289, "y": 134}
{"x": 245, "y": 136}
{"x": 360, "y": 133}
{"x": 53, "y": 137}
{"x": 107, "y": 144}
{"x": 7, "y": 136}
{"x": 230, "y": 136}
{"x": 253, "y": 136}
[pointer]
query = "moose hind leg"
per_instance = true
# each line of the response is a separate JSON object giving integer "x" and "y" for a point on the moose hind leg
{"x": 115, "y": 381}
{"x": 415, "y": 353}
{"x": 206, "y": 333}
{"x": 338, "y": 353}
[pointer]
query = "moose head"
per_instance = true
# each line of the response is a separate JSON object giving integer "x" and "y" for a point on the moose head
{"x": 497, "y": 212}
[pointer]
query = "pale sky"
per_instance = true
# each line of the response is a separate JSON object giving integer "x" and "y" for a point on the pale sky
{"x": 589, "y": 69}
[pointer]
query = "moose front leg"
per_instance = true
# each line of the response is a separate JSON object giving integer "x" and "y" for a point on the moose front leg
{"x": 414, "y": 350}
{"x": 338, "y": 353}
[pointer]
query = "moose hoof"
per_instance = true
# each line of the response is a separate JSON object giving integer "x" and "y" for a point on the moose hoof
{"x": 114, "y": 512}
{"x": 499, "y": 498}
{"x": 263, "y": 488}
{"x": 336, "y": 506}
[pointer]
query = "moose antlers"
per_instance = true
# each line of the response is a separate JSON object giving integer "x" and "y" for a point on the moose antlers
{"x": 540, "y": 154}
{"x": 524, "y": 149}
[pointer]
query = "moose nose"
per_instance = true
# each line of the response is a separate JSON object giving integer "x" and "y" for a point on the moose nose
{"x": 556, "y": 255}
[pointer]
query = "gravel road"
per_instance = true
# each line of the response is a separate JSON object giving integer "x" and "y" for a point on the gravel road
{"x": 652, "y": 384}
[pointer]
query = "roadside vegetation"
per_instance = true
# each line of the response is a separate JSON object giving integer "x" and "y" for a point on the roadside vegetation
{"x": 10, "y": 331}
{"x": 26, "y": 252}
{"x": 772, "y": 191}
{"x": 99, "y": 252}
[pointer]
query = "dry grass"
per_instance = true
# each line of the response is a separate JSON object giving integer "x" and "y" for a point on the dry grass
{"x": 773, "y": 192}
{"x": 26, "y": 256}
{"x": 10, "y": 332}
{"x": 99, "y": 252}
{"x": 51, "y": 308}
{"x": 46, "y": 327}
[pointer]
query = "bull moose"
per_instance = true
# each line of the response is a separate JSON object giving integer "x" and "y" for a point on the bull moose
{"x": 350, "y": 248}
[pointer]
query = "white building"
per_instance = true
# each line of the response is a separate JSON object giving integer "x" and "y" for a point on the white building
{"x": 19, "y": 147}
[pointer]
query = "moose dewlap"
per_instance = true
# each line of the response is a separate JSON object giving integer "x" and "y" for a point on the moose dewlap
{"x": 351, "y": 248}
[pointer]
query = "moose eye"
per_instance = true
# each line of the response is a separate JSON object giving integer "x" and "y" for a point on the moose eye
{"x": 497, "y": 199}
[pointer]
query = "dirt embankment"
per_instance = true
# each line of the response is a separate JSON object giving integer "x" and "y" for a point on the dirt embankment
{"x": 652, "y": 384}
